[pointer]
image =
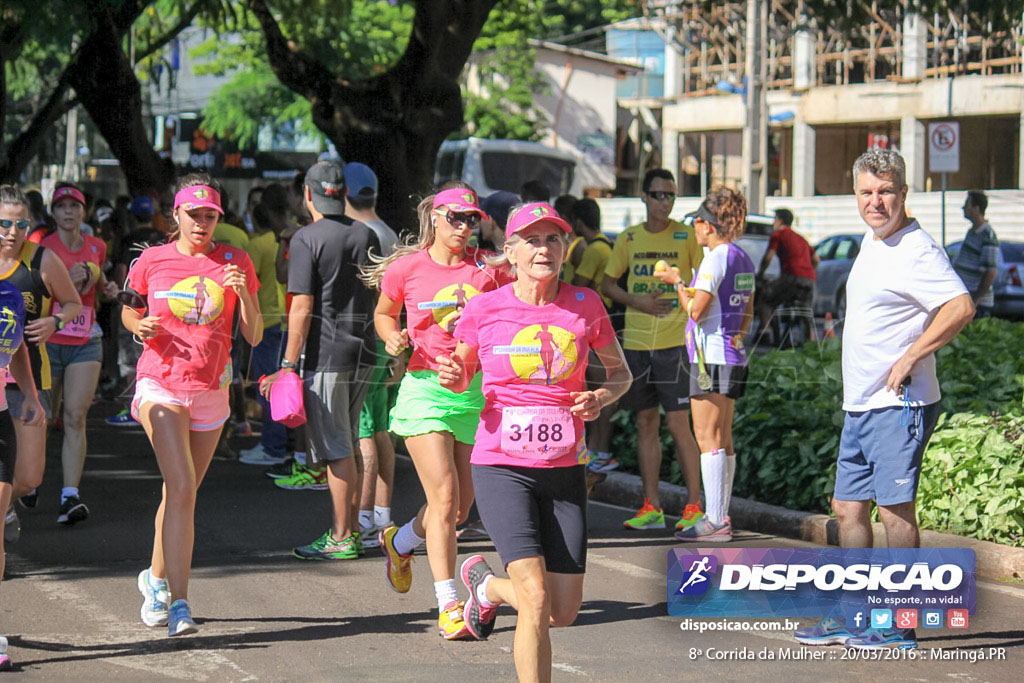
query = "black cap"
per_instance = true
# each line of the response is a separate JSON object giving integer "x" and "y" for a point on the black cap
{"x": 326, "y": 183}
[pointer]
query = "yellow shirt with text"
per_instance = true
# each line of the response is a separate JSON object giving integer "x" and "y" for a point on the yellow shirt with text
{"x": 636, "y": 250}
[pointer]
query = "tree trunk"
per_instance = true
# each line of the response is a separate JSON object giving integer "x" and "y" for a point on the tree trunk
{"x": 394, "y": 123}
{"x": 105, "y": 83}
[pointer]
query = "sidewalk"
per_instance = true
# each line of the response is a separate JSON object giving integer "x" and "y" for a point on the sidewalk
{"x": 995, "y": 561}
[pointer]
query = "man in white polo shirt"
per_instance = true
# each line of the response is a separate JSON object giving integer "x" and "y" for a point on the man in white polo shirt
{"x": 904, "y": 302}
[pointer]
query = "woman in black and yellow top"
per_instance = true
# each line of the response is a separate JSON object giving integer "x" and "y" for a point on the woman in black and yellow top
{"x": 41, "y": 277}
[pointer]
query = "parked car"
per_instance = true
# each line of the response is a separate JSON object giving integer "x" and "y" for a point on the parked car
{"x": 755, "y": 240}
{"x": 1008, "y": 288}
{"x": 492, "y": 165}
{"x": 837, "y": 254}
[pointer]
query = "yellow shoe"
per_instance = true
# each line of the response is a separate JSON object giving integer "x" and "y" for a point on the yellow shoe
{"x": 399, "y": 567}
{"x": 450, "y": 624}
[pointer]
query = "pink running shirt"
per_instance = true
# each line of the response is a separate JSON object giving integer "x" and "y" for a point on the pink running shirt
{"x": 531, "y": 356}
{"x": 93, "y": 253}
{"x": 191, "y": 351}
{"x": 432, "y": 293}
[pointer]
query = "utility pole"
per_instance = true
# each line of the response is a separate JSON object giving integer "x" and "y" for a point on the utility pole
{"x": 755, "y": 140}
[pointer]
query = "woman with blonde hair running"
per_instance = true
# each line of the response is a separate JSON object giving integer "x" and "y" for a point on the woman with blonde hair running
{"x": 432, "y": 278}
{"x": 190, "y": 287}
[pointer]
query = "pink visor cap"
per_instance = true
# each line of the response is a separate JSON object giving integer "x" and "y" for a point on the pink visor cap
{"x": 67, "y": 192}
{"x": 459, "y": 200}
{"x": 198, "y": 197}
{"x": 531, "y": 214}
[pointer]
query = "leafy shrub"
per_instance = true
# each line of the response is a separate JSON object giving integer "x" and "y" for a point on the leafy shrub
{"x": 787, "y": 427}
{"x": 972, "y": 478}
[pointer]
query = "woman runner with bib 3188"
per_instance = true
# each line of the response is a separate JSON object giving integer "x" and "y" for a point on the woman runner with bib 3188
{"x": 719, "y": 304}
{"x": 190, "y": 287}
{"x": 432, "y": 279}
{"x": 532, "y": 340}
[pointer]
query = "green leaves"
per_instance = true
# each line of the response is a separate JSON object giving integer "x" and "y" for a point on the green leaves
{"x": 788, "y": 424}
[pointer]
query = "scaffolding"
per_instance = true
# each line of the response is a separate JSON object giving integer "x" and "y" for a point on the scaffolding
{"x": 710, "y": 40}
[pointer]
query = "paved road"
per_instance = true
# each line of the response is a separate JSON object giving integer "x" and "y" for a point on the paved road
{"x": 70, "y": 606}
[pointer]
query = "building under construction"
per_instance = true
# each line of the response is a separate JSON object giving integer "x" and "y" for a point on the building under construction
{"x": 830, "y": 88}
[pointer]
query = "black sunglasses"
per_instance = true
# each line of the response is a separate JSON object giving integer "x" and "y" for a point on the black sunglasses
{"x": 455, "y": 219}
{"x": 661, "y": 196}
{"x": 20, "y": 224}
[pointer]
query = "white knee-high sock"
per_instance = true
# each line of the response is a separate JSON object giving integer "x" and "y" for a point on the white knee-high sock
{"x": 713, "y": 473}
{"x": 730, "y": 474}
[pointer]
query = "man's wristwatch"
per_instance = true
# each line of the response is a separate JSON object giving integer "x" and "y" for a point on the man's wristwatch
{"x": 60, "y": 322}
{"x": 288, "y": 365}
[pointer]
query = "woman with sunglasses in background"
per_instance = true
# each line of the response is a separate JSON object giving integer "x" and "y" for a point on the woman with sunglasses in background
{"x": 42, "y": 279}
{"x": 13, "y": 360}
{"x": 432, "y": 279}
{"x": 191, "y": 287}
{"x": 76, "y": 349}
{"x": 719, "y": 305}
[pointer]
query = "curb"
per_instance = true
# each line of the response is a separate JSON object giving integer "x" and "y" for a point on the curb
{"x": 994, "y": 561}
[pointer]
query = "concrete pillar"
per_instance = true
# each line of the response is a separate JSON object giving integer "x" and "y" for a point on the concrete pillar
{"x": 803, "y": 60}
{"x": 673, "y": 66}
{"x": 1020, "y": 154}
{"x": 804, "y": 150}
{"x": 915, "y": 47}
{"x": 913, "y": 139}
{"x": 670, "y": 152}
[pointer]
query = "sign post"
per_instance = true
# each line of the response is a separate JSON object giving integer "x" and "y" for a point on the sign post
{"x": 944, "y": 157}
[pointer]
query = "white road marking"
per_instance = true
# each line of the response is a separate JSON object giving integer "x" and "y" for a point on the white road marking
{"x": 570, "y": 669}
{"x": 633, "y": 570}
{"x": 113, "y": 630}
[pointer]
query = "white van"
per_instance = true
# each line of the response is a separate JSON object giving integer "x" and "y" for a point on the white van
{"x": 492, "y": 165}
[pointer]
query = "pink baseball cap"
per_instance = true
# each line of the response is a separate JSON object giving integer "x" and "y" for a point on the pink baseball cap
{"x": 531, "y": 214}
{"x": 459, "y": 199}
{"x": 67, "y": 192}
{"x": 198, "y": 197}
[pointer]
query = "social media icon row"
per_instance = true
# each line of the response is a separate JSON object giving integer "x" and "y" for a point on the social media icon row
{"x": 908, "y": 618}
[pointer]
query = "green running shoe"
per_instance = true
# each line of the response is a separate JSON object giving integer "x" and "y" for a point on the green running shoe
{"x": 304, "y": 479}
{"x": 647, "y": 517}
{"x": 326, "y": 548}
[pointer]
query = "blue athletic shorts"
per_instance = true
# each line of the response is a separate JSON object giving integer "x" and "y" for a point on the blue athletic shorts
{"x": 880, "y": 453}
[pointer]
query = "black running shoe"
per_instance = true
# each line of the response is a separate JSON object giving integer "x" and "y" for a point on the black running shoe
{"x": 282, "y": 471}
{"x": 72, "y": 511}
{"x": 29, "y": 500}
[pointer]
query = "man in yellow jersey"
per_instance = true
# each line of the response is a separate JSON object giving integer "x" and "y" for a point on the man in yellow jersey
{"x": 654, "y": 342}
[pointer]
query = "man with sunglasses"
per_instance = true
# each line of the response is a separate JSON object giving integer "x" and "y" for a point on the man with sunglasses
{"x": 654, "y": 343}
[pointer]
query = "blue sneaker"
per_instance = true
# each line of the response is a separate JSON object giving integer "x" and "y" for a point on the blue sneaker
{"x": 828, "y": 631}
{"x": 123, "y": 419}
{"x": 154, "y": 601}
{"x": 901, "y": 639}
{"x": 179, "y": 619}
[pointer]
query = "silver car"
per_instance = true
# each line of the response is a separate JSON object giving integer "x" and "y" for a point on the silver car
{"x": 837, "y": 254}
{"x": 1008, "y": 288}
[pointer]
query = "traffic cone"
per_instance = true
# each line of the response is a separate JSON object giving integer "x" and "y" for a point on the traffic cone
{"x": 830, "y": 327}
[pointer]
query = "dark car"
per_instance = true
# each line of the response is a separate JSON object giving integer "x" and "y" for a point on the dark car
{"x": 1008, "y": 289}
{"x": 836, "y": 254}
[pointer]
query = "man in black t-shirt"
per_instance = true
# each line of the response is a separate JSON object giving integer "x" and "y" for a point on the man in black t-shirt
{"x": 332, "y": 317}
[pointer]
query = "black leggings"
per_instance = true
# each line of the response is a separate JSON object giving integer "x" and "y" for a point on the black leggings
{"x": 8, "y": 448}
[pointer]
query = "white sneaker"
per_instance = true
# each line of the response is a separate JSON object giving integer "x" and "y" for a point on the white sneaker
{"x": 154, "y": 602}
{"x": 257, "y": 455}
{"x": 369, "y": 535}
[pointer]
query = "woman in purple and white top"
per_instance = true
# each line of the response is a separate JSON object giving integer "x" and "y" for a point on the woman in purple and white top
{"x": 719, "y": 303}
